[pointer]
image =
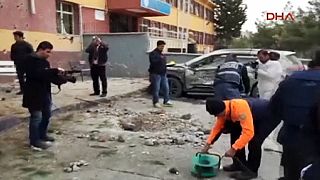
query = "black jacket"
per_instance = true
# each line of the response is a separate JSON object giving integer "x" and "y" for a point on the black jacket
{"x": 39, "y": 76}
{"x": 19, "y": 51}
{"x": 102, "y": 55}
{"x": 158, "y": 62}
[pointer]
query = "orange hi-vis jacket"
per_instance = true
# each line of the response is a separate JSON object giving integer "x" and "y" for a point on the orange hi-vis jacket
{"x": 236, "y": 110}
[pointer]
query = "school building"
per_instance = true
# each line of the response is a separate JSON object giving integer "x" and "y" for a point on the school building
{"x": 63, "y": 22}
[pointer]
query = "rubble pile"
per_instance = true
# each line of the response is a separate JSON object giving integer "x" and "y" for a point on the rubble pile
{"x": 75, "y": 166}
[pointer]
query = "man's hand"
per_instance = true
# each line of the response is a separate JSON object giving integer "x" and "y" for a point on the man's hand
{"x": 230, "y": 153}
{"x": 206, "y": 148}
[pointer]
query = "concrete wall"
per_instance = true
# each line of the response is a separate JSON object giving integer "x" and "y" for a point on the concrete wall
{"x": 128, "y": 56}
{"x": 127, "y": 53}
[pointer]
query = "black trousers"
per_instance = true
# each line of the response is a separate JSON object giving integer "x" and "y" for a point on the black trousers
{"x": 255, "y": 146}
{"x": 99, "y": 72}
{"x": 20, "y": 73}
{"x": 298, "y": 154}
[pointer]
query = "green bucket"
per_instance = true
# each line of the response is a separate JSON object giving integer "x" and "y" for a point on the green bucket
{"x": 205, "y": 165}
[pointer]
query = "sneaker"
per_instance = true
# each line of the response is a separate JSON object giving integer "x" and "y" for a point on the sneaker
{"x": 103, "y": 95}
{"x": 95, "y": 94}
{"x": 157, "y": 105}
{"x": 48, "y": 138}
{"x": 168, "y": 104}
{"x": 231, "y": 168}
{"x": 244, "y": 175}
{"x": 40, "y": 145}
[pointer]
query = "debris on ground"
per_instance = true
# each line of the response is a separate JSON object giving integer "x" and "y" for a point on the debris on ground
{"x": 186, "y": 116}
{"x": 108, "y": 152}
{"x": 128, "y": 126}
{"x": 174, "y": 171}
{"x": 75, "y": 166}
{"x": 121, "y": 139}
{"x": 3, "y": 99}
{"x": 151, "y": 142}
{"x": 132, "y": 145}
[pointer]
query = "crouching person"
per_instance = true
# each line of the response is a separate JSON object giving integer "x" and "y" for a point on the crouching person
{"x": 249, "y": 116}
{"x": 237, "y": 112}
{"x": 37, "y": 96}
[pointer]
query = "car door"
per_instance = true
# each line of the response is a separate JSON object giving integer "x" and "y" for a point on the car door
{"x": 201, "y": 74}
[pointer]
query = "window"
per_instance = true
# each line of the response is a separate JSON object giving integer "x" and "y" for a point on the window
{"x": 181, "y": 5}
{"x": 201, "y": 11}
{"x": 186, "y": 6}
{"x": 67, "y": 18}
{"x": 192, "y": 7}
{"x": 196, "y": 9}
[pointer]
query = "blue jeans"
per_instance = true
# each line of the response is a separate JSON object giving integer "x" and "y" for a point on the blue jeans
{"x": 226, "y": 91}
{"x": 159, "y": 82}
{"x": 38, "y": 125}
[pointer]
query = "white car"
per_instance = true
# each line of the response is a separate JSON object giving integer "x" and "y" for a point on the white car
{"x": 196, "y": 76}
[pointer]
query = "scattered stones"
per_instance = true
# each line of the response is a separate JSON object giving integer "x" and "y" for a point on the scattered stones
{"x": 174, "y": 171}
{"x": 98, "y": 145}
{"x": 3, "y": 99}
{"x": 80, "y": 136}
{"x": 121, "y": 139}
{"x": 141, "y": 136}
{"x": 199, "y": 133}
{"x": 89, "y": 111}
{"x": 128, "y": 126}
{"x": 112, "y": 138}
{"x": 8, "y": 91}
{"x": 186, "y": 116}
{"x": 75, "y": 166}
{"x": 151, "y": 142}
{"x": 132, "y": 145}
{"x": 145, "y": 152}
{"x": 107, "y": 152}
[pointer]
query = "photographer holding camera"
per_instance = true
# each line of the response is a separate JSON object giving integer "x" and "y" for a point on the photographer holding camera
{"x": 37, "y": 95}
{"x": 270, "y": 73}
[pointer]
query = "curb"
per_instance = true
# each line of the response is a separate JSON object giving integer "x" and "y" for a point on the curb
{"x": 10, "y": 122}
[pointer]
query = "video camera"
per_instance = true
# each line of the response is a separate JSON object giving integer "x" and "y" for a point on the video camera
{"x": 252, "y": 64}
{"x": 64, "y": 77}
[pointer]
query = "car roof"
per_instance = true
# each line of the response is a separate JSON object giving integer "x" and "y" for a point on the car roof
{"x": 244, "y": 51}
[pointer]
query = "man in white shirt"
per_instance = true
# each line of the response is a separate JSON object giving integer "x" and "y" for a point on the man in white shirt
{"x": 270, "y": 74}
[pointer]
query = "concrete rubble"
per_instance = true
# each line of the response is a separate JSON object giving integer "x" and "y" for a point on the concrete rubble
{"x": 75, "y": 166}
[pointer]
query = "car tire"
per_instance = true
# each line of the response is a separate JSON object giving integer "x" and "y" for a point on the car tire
{"x": 175, "y": 87}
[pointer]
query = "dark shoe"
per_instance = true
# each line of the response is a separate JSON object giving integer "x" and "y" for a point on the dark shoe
{"x": 19, "y": 93}
{"x": 95, "y": 94}
{"x": 40, "y": 145}
{"x": 103, "y": 95}
{"x": 244, "y": 175}
{"x": 48, "y": 138}
{"x": 232, "y": 168}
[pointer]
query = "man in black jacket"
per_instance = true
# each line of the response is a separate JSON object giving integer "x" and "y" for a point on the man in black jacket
{"x": 19, "y": 50}
{"x": 97, "y": 59}
{"x": 158, "y": 75}
{"x": 37, "y": 94}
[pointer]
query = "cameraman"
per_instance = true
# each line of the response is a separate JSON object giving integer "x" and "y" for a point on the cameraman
{"x": 37, "y": 95}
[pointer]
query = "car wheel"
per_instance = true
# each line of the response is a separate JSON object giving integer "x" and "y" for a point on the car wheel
{"x": 175, "y": 87}
{"x": 254, "y": 90}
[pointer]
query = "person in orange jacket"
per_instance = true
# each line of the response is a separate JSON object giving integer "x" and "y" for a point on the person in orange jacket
{"x": 236, "y": 111}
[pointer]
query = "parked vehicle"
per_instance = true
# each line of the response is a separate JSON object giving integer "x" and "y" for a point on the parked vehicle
{"x": 196, "y": 76}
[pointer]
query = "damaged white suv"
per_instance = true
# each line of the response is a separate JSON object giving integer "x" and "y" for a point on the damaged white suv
{"x": 196, "y": 76}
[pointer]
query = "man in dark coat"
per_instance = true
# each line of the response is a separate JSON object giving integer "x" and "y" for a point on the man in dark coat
{"x": 37, "y": 94}
{"x": 98, "y": 58}
{"x": 19, "y": 50}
